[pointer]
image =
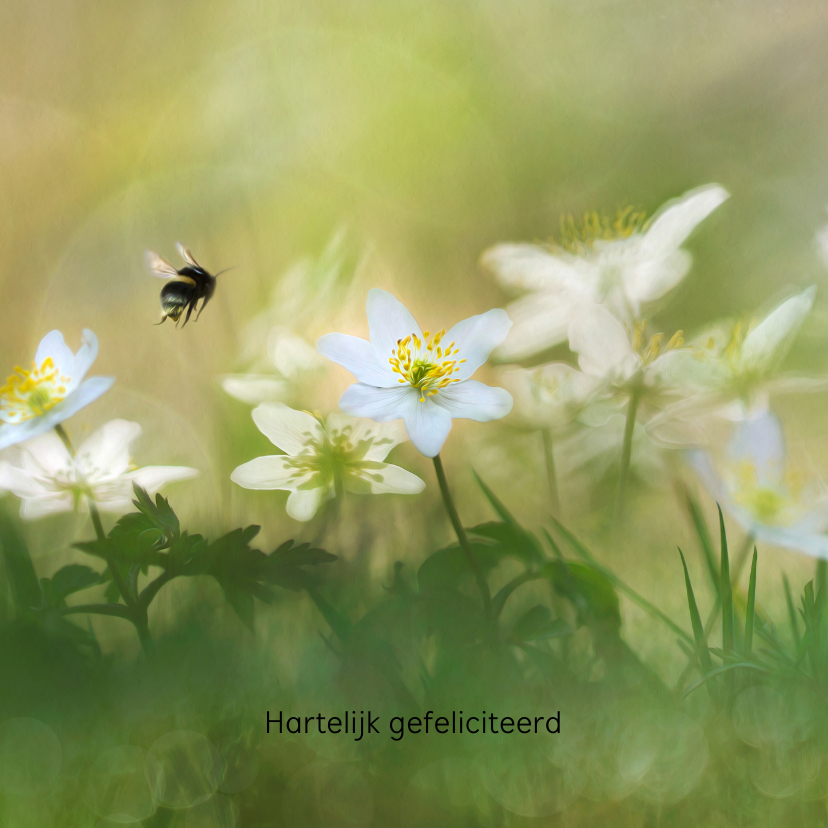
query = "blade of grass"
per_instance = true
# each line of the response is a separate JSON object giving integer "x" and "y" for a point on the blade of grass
{"x": 696, "y": 622}
{"x": 791, "y": 612}
{"x": 751, "y": 606}
{"x": 700, "y": 525}
{"x": 725, "y": 668}
{"x": 726, "y": 590}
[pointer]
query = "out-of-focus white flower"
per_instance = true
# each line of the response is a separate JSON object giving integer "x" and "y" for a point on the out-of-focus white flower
{"x": 755, "y": 484}
{"x": 623, "y": 358}
{"x": 48, "y": 479}
{"x": 551, "y": 396}
{"x": 322, "y": 460}
{"x": 292, "y": 357}
{"x": 418, "y": 377}
{"x": 734, "y": 371}
{"x": 623, "y": 264}
{"x": 34, "y": 401}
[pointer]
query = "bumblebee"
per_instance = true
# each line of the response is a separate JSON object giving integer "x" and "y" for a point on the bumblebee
{"x": 186, "y": 287}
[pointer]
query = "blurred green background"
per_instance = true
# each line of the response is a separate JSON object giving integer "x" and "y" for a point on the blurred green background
{"x": 255, "y": 131}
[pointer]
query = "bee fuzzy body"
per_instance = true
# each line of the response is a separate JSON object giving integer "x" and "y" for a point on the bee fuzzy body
{"x": 187, "y": 287}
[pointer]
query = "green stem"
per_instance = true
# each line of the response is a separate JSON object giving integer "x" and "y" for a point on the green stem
{"x": 135, "y": 612}
{"x": 462, "y": 537}
{"x": 626, "y": 455}
{"x": 551, "y": 474}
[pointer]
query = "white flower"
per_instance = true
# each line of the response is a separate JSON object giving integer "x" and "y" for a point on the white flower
{"x": 551, "y": 396}
{"x": 624, "y": 358}
{"x": 321, "y": 461}
{"x": 48, "y": 479}
{"x": 622, "y": 265}
{"x": 769, "y": 499}
{"x": 732, "y": 373}
{"x": 418, "y": 377}
{"x": 36, "y": 400}
{"x": 291, "y": 356}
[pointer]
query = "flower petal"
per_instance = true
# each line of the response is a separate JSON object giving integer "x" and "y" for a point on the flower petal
{"x": 86, "y": 355}
{"x": 379, "y": 404}
{"x": 477, "y": 337}
{"x": 531, "y": 267}
{"x": 88, "y": 392}
{"x": 427, "y": 425}
{"x": 303, "y": 504}
{"x": 359, "y": 357}
{"x": 106, "y": 452}
{"x": 21, "y": 483}
{"x": 270, "y": 472}
{"x": 382, "y": 437}
{"x": 759, "y": 441}
{"x": 472, "y": 400}
{"x": 388, "y": 321}
{"x": 389, "y": 479}
{"x": 814, "y": 545}
{"x": 50, "y": 504}
{"x": 539, "y": 322}
{"x": 255, "y": 388}
{"x": 290, "y": 354}
{"x": 678, "y": 218}
{"x": 45, "y": 456}
{"x": 766, "y": 345}
{"x": 602, "y": 344}
{"x": 152, "y": 478}
{"x": 651, "y": 278}
{"x": 287, "y": 429}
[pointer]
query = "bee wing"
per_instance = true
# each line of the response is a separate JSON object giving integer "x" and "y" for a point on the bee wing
{"x": 159, "y": 266}
{"x": 187, "y": 256}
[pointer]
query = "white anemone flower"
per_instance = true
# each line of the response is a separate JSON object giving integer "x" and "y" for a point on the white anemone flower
{"x": 35, "y": 400}
{"x": 323, "y": 460}
{"x": 48, "y": 479}
{"x": 623, "y": 264}
{"x": 552, "y": 396}
{"x": 421, "y": 378}
{"x": 623, "y": 357}
{"x": 735, "y": 370}
{"x": 755, "y": 483}
{"x": 292, "y": 357}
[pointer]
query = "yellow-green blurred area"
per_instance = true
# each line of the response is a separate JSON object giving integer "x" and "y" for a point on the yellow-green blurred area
{"x": 417, "y": 134}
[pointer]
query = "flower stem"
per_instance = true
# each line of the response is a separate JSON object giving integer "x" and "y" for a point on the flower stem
{"x": 462, "y": 537}
{"x": 137, "y": 613}
{"x": 626, "y": 454}
{"x": 551, "y": 474}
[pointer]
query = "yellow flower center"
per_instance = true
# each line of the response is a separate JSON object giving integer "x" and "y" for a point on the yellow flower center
{"x": 337, "y": 460}
{"x": 770, "y": 504}
{"x": 424, "y": 363}
{"x": 648, "y": 350}
{"x": 579, "y": 236}
{"x": 29, "y": 394}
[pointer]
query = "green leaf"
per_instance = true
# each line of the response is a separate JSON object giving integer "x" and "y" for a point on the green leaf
{"x": 726, "y": 590}
{"x": 336, "y": 620}
{"x": 696, "y": 622}
{"x": 515, "y": 540}
{"x": 538, "y": 623}
{"x": 17, "y": 566}
{"x": 499, "y": 600}
{"x": 73, "y": 578}
{"x": 750, "y": 613}
{"x": 588, "y": 589}
{"x": 446, "y": 568}
{"x": 241, "y": 601}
